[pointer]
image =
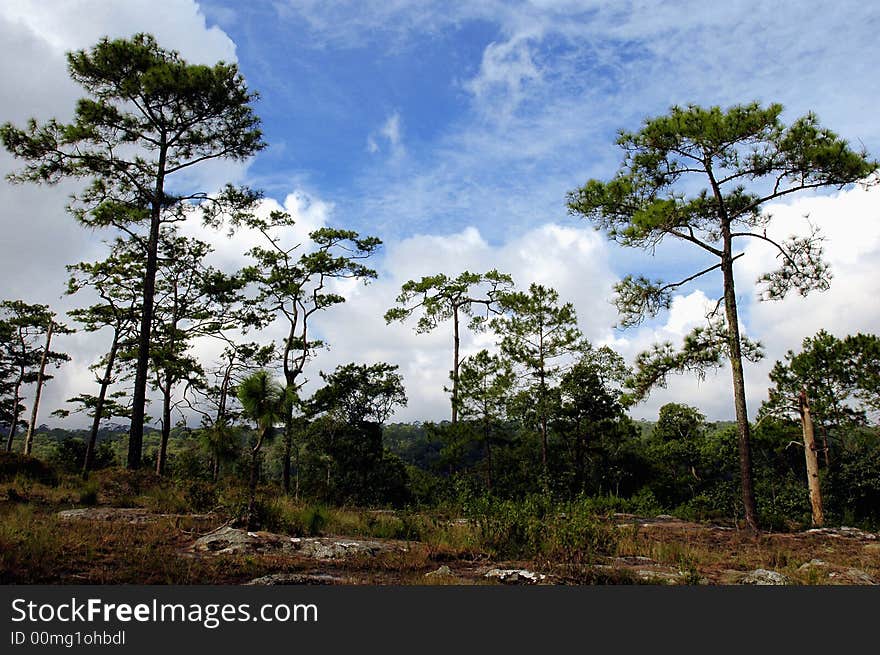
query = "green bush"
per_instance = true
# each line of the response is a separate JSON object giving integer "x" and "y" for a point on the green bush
{"x": 14, "y": 465}
{"x": 536, "y": 526}
{"x": 200, "y": 496}
{"x": 88, "y": 495}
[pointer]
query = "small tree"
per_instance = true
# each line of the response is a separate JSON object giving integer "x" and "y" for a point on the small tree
{"x": 192, "y": 300}
{"x": 148, "y": 119}
{"x": 47, "y": 356}
{"x": 26, "y": 351}
{"x": 486, "y": 385}
{"x": 117, "y": 281}
{"x": 357, "y": 393}
{"x": 538, "y": 333}
{"x": 296, "y": 283}
{"x": 440, "y": 298}
{"x": 263, "y": 401}
{"x": 831, "y": 383}
{"x": 652, "y": 198}
{"x": 345, "y": 435}
{"x": 589, "y": 400}
{"x": 216, "y": 403}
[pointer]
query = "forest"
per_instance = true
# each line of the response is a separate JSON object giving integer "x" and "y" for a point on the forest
{"x": 207, "y": 471}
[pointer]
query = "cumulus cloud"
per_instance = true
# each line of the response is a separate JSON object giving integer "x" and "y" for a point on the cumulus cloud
{"x": 572, "y": 260}
{"x": 38, "y": 237}
{"x": 544, "y": 96}
{"x": 850, "y": 221}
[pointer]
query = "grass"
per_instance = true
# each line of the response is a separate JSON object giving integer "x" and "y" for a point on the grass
{"x": 567, "y": 540}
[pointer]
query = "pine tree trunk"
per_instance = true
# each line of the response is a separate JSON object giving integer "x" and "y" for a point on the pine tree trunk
{"x": 16, "y": 402}
{"x": 139, "y": 395}
{"x": 811, "y": 460}
{"x": 29, "y": 438}
{"x": 487, "y": 440}
{"x": 290, "y": 374}
{"x": 455, "y": 363}
{"x": 162, "y": 455}
{"x": 739, "y": 391}
{"x": 252, "y": 489}
{"x": 288, "y": 449}
{"x": 99, "y": 406}
{"x": 543, "y": 410}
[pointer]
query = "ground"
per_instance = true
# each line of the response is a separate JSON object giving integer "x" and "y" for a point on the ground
{"x": 43, "y": 542}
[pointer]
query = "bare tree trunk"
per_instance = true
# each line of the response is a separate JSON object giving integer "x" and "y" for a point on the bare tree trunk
{"x": 139, "y": 395}
{"x": 739, "y": 390}
{"x": 99, "y": 405}
{"x": 812, "y": 460}
{"x": 29, "y": 438}
{"x": 543, "y": 408}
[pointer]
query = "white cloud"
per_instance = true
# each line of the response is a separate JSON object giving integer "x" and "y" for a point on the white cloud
{"x": 506, "y": 70}
{"x": 391, "y": 134}
{"x": 572, "y": 260}
{"x": 850, "y": 220}
{"x": 38, "y": 237}
{"x": 71, "y": 24}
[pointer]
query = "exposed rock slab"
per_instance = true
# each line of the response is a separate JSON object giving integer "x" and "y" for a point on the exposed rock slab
{"x": 122, "y": 514}
{"x": 843, "y": 531}
{"x": 515, "y": 576}
{"x": 228, "y": 540}
{"x": 644, "y": 569}
{"x": 443, "y": 572}
{"x": 757, "y": 577}
{"x": 852, "y": 577}
{"x": 281, "y": 579}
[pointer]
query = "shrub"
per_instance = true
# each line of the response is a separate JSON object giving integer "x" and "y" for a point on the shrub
{"x": 200, "y": 496}
{"x": 14, "y": 465}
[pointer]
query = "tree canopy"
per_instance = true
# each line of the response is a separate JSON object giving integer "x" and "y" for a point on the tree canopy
{"x": 702, "y": 176}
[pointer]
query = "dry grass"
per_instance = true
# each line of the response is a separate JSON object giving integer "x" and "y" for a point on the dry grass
{"x": 38, "y": 547}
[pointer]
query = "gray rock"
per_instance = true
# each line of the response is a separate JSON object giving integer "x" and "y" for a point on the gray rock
{"x": 329, "y": 548}
{"x": 515, "y": 576}
{"x": 663, "y": 577}
{"x": 843, "y": 531}
{"x": 278, "y": 579}
{"x": 122, "y": 515}
{"x": 852, "y": 577}
{"x": 765, "y": 577}
{"x": 443, "y": 571}
{"x": 633, "y": 560}
{"x": 812, "y": 564}
{"x": 227, "y": 540}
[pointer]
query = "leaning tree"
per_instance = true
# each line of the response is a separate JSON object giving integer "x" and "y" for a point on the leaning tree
{"x": 703, "y": 177}
{"x": 148, "y": 119}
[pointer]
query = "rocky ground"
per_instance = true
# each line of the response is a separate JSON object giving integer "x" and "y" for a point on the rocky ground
{"x": 658, "y": 550}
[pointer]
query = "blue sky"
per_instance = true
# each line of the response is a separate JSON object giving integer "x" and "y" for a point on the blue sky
{"x": 453, "y": 130}
{"x": 503, "y": 107}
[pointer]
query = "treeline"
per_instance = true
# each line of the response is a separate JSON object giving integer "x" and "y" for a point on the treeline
{"x": 542, "y": 411}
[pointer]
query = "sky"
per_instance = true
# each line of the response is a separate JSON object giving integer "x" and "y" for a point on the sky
{"x": 453, "y": 131}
